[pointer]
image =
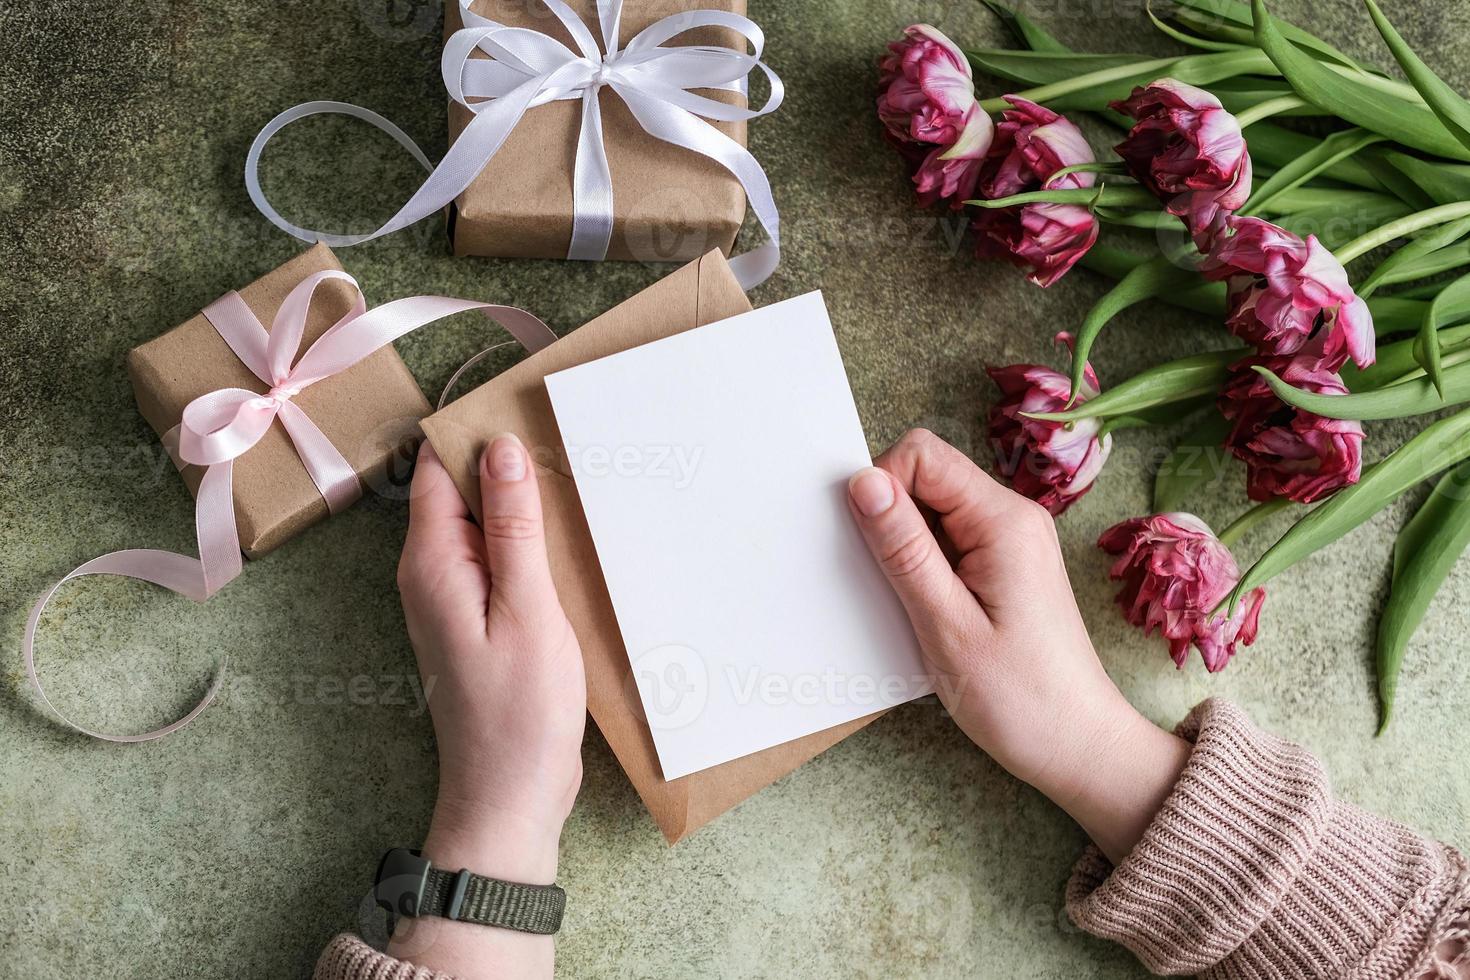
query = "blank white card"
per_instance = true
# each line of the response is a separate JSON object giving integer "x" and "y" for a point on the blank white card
{"x": 712, "y": 468}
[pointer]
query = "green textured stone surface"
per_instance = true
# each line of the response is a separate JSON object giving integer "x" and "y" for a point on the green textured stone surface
{"x": 239, "y": 847}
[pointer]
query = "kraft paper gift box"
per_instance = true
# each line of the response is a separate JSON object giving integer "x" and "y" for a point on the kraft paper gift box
{"x": 368, "y": 411}
{"x": 516, "y": 401}
{"x": 669, "y": 204}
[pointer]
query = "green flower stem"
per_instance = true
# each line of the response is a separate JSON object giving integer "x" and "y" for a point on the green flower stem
{"x": 1147, "y": 220}
{"x": 1118, "y": 422}
{"x": 1271, "y": 107}
{"x": 1250, "y": 519}
{"x": 1158, "y": 415}
{"x": 1109, "y": 195}
{"x": 1207, "y": 297}
{"x": 1404, "y": 226}
{"x": 1185, "y": 380}
{"x": 1082, "y": 83}
{"x": 1096, "y": 167}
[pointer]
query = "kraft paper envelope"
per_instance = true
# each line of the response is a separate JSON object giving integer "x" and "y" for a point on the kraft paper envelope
{"x": 701, "y": 292}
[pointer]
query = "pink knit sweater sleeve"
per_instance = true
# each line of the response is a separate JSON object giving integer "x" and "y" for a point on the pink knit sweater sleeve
{"x": 1251, "y": 870}
{"x": 349, "y": 958}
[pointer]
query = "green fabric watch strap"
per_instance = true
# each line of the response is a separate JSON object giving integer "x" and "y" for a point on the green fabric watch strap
{"x": 408, "y": 884}
{"x": 469, "y": 897}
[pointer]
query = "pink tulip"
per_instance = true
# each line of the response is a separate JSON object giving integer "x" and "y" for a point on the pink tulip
{"x": 1189, "y": 152}
{"x": 1288, "y": 452}
{"x": 1049, "y": 462}
{"x": 1044, "y": 239}
{"x": 1031, "y": 144}
{"x": 926, "y": 101}
{"x": 1174, "y": 573}
{"x": 1284, "y": 292}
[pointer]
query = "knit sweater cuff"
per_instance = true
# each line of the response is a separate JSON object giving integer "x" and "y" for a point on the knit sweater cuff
{"x": 349, "y": 958}
{"x": 1251, "y": 869}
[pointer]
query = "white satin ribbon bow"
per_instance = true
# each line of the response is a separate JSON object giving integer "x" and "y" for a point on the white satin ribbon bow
{"x": 526, "y": 69}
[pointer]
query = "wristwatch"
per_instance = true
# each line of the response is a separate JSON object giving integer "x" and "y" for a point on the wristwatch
{"x": 409, "y": 884}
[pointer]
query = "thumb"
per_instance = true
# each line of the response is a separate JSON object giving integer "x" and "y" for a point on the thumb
{"x": 906, "y": 550}
{"x": 515, "y": 537}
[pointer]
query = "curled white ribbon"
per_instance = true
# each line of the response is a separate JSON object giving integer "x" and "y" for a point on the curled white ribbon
{"x": 526, "y": 69}
{"x": 221, "y": 426}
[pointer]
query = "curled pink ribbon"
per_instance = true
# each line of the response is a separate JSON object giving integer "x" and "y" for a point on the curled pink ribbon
{"x": 221, "y": 426}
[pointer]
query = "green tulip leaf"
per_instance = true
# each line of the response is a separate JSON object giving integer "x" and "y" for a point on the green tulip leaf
{"x": 1413, "y": 261}
{"x": 1184, "y": 37}
{"x": 1156, "y": 277}
{"x": 1034, "y": 68}
{"x": 1399, "y": 184}
{"x": 1155, "y": 417}
{"x": 1203, "y": 297}
{"x": 1336, "y": 223}
{"x": 1191, "y": 465}
{"x": 1028, "y": 31}
{"x": 1442, "y": 309}
{"x": 1207, "y": 69}
{"x": 1397, "y": 360}
{"x": 1112, "y": 262}
{"x": 1233, "y": 20}
{"x": 1359, "y": 102}
{"x": 1437, "y": 447}
{"x": 1418, "y": 396}
{"x": 1425, "y": 552}
{"x": 1440, "y": 260}
{"x": 1277, "y": 147}
{"x": 1441, "y": 181}
{"x": 1186, "y": 379}
{"x": 1452, "y": 110}
{"x": 1108, "y": 78}
{"x": 1333, "y": 149}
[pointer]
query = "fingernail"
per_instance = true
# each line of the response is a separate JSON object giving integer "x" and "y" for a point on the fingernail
{"x": 871, "y": 490}
{"x": 507, "y": 458}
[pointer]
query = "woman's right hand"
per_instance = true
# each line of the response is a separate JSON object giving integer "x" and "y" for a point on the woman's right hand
{"x": 988, "y": 596}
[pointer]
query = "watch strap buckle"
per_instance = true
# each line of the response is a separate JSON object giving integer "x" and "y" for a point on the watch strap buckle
{"x": 403, "y": 878}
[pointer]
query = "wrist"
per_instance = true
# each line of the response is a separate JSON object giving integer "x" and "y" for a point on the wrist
{"x": 1099, "y": 733}
{"x": 1115, "y": 784}
{"x": 492, "y": 841}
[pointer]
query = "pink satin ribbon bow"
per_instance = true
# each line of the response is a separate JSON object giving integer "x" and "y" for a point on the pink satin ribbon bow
{"x": 221, "y": 426}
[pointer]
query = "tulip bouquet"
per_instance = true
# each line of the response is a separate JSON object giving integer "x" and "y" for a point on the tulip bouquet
{"x": 1267, "y": 163}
